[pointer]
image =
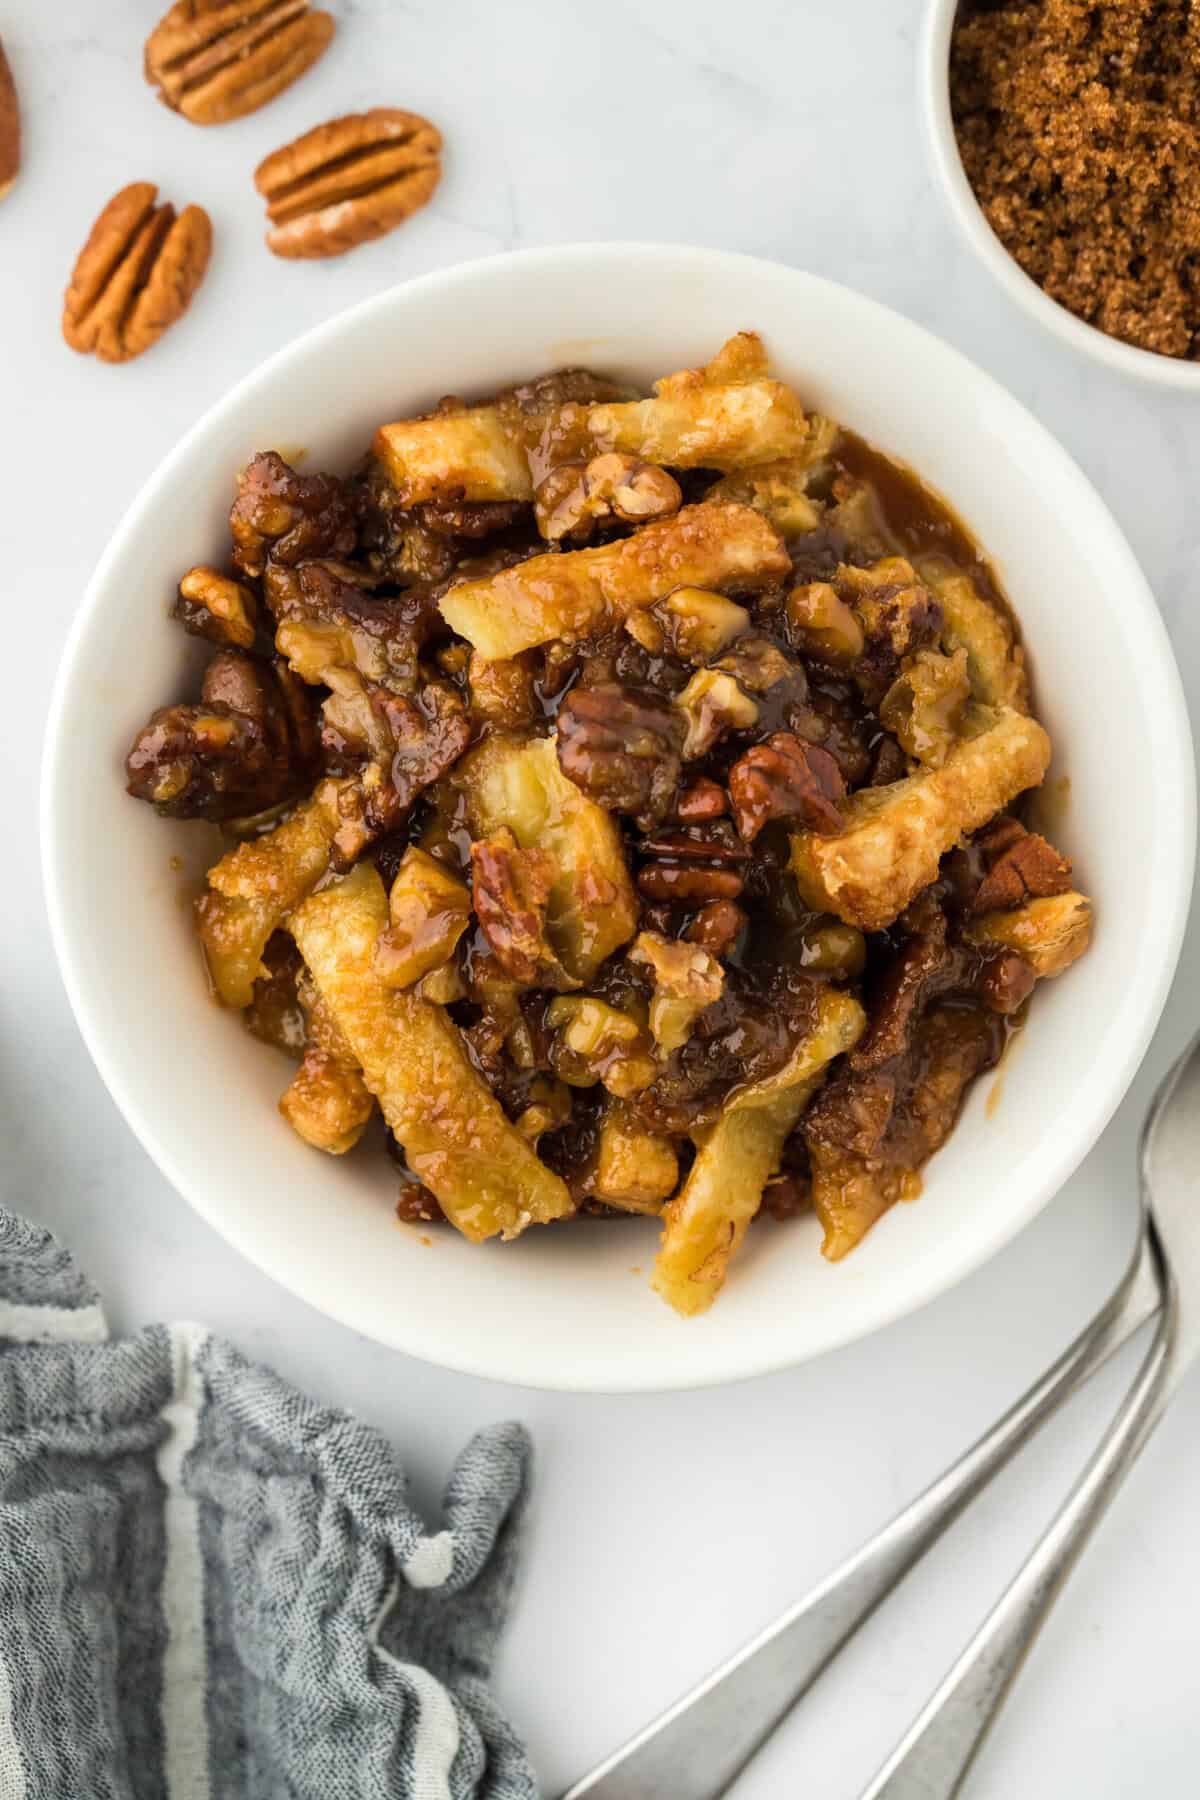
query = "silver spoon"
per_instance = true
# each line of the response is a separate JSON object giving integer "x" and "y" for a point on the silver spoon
{"x": 933, "y": 1757}
{"x": 696, "y": 1749}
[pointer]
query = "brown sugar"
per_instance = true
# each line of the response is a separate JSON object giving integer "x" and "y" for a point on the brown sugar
{"x": 1079, "y": 128}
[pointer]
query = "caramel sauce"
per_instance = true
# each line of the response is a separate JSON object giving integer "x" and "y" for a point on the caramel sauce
{"x": 921, "y": 522}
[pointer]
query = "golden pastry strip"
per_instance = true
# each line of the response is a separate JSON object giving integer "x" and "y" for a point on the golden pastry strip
{"x": 252, "y": 890}
{"x": 429, "y": 908}
{"x": 708, "y": 1218}
{"x": 995, "y": 662}
{"x": 456, "y": 1139}
{"x": 327, "y": 1102}
{"x": 478, "y": 454}
{"x": 568, "y": 597}
{"x": 471, "y": 455}
{"x": 1050, "y": 933}
{"x": 894, "y": 837}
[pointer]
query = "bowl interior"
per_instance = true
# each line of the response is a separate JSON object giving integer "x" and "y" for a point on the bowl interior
{"x": 571, "y": 1307}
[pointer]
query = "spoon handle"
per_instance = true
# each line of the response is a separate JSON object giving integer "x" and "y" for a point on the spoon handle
{"x": 933, "y": 1757}
{"x": 695, "y": 1749}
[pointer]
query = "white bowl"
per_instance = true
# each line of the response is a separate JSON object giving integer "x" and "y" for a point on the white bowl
{"x": 570, "y": 1307}
{"x": 1127, "y": 359}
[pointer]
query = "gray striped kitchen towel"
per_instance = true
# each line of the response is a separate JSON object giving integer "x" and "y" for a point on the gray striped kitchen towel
{"x": 213, "y": 1589}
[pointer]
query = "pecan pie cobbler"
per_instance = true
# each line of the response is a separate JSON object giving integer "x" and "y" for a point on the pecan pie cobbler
{"x": 621, "y": 791}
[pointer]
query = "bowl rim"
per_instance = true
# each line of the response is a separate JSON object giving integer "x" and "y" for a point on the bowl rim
{"x": 1107, "y": 1090}
{"x": 933, "y": 64}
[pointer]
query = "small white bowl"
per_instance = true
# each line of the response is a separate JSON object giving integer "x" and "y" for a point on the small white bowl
{"x": 570, "y": 1307}
{"x": 1127, "y": 359}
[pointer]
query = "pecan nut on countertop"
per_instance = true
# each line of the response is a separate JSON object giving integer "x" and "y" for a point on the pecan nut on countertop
{"x": 214, "y": 62}
{"x": 348, "y": 181}
{"x": 10, "y": 127}
{"x": 136, "y": 274}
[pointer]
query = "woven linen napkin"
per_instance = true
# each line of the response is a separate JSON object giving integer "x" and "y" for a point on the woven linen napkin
{"x": 213, "y": 1589}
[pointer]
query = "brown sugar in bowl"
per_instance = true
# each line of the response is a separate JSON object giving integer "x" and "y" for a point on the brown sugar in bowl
{"x": 934, "y": 77}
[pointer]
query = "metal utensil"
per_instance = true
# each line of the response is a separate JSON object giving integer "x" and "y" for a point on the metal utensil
{"x": 933, "y": 1757}
{"x": 696, "y": 1749}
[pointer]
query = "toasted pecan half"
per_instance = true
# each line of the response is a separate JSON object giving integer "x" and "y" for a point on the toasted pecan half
{"x": 348, "y": 181}
{"x": 10, "y": 127}
{"x": 214, "y": 62}
{"x": 135, "y": 275}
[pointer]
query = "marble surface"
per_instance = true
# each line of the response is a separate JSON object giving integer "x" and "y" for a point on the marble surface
{"x": 666, "y": 1530}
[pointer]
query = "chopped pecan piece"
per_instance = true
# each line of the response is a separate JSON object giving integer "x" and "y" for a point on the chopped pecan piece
{"x": 869, "y": 1132}
{"x": 270, "y": 693}
{"x": 249, "y": 745}
{"x": 758, "y": 665}
{"x": 703, "y": 799}
{"x": 831, "y": 948}
{"x": 546, "y": 394}
{"x": 201, "y": 762}
{"x": 467, "y": 518}
{"x": 686, "y": 980}
{"x": 275, "y": 1014}
{"x": 511, "y": 887}
{"x": 547, "y": 1108}
{"x": 415, "y": 1205}
{"x": 216, "y": 60}
{"x": 621, "y": 746}
{"x": 634, "y": 1170}
{"x": 328, "y": 623}
{"x": 694, "y": 623}
{"x": 925, "y": 966}
{"x": 712, "y": 703}
{"x": 745, "y": 1036}
{"x": 576, "y": 497}
{"x": 1007, "y": 982}
{"x": 443, "y": 985}
{"x": 407, "y": 744}
{"x": 287, "y": 516}
{"x": 785, "y": 778}
{"x": 1021, "y": 866}
{"x": 694, "y": 864}
{"x": 709, "y": 840}
{"x": 851, "y": 1113}
{"x": 135, "y": 275}
{"x": 502, "y": 692}
{"x": 822, "y": 624}
{"x": 348, "y": 181}
{"x": 717, "y": 927}
{"x": 215, "y": 606}
{"x": 925, "y": 704}
{"x": 689, "y": 883}
{"x": 898, "y": 615}
{"x": 428, "y": 541}
{"x": 595, "y": 1042}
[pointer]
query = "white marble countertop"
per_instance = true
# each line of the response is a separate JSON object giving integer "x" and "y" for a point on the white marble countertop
{"x": 669, "y": 1529}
